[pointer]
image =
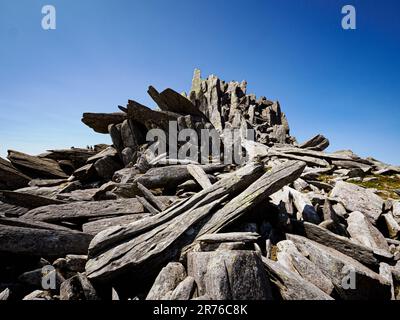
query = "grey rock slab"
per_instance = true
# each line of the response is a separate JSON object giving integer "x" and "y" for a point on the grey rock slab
{"x": 318, "y": 143}
{"x": 46, "y": 192}
{"x": 27, "y": 200}
{"x": 229, "y": 275}
{"x": 75, "y": 262}
{"x": 99, "y": 122}
{"x": 128, "y": 137}
{"x": 184, "y": 290}
{"x": 148, "y": 206}
{"x": 199, "y": 175}
{"x": 108, "y": 152}
{"x": 293, "y": 260}
{"x": 300, "y": 185}
{"x": 85, "y": 210}
{"x": 167, "y": 280}
{"x": 396, "y": 209}
{"x": 86, "y": 173}
{"x": 363, "y": 232}
{"x": 338, "y": 267}
{"x": 304, "y": 206}
{"x": 145, "y": 254}
{"x": 313, "y": 173}
{"x": 357, "y": 251}
{"x": 356, "y": 198}
{"x": 311, "y": 161}
{"x": 78, "y": 195}
{"x": 159, "y": 205}
{"x": 38, "y": 295}
{"x": 150, "y": 118}
{"x": 313, "y": 153}
{"x": 36, "y": 166}
{"x": 248, "y": 237}
{"x": 171, "y": 175}
{"x": 71, "y": 289}
{"x": 385, "y": 271}
{"x": 254, "y": 149}
{"x": 89, "y": 291}
{"x": 321, "y": 185}
{"x": 170, "y": 100}
{"x": 10, "y": 177}
{"x": 106, "y": 167}
{"x": 113, "y": 237}
{"x": 392, "y": 225}
{"x": 96, "y": 226}
{"x": 12, "y": 211}
{"x": 115, "y": 133}
{"x": 346, "y": 164}
{"x": 47, "y": 182}
{"x": 257, "y": 192}
{"x": 125, "y": 175}
{"x": 34, "y": 278}
{"x": 204, "y": 246}
{"x": 5, "y": 294}
{"x": 26, "y": 223}
{"x": 42, "y": 243}
{"x": 291, "y": 285}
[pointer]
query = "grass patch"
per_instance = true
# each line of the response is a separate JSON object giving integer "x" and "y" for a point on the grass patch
{"x": 386, "y": 185}
{"x": 325, "y": 178}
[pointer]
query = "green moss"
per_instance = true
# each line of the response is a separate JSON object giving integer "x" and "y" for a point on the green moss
{"x": 274, "y": 253}
{"x": 386, "y": 185}
{"x": 325, "y": 178}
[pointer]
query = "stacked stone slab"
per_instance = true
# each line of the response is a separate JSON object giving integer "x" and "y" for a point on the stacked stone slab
{"x": 117, "y": 222}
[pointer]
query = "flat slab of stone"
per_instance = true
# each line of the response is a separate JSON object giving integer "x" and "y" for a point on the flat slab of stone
{"x": 363, "y": 232}
{"x": 337, "y": 267}
{"x": 85, "y": 210}
{"x": 355, "y": 198}
{"x": 41, "y": 242}
{"x": 248, "y": 237}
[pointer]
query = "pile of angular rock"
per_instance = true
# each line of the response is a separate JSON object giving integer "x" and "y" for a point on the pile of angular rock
{"x": 118, "y": 222}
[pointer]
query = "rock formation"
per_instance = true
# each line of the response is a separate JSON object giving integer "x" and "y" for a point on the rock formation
{"x": 290, "y": 222}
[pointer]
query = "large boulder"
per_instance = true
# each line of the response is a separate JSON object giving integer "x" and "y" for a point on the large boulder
{"x": 352, "y": 280}
{"x": 356, "y": 198}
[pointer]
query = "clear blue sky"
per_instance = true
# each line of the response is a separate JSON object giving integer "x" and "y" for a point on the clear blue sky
{"x": 344, "y": 84}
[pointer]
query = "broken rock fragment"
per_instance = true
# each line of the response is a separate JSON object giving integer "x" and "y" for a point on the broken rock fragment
{"x": 356, "y": 198}
{"x": 352, "y": 280}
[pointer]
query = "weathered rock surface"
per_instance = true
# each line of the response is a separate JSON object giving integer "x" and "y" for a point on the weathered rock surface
{"x": 36, "y": 166}
{"x": 184, "y": 290}
{"x": 363, "y": 232}
{"x": 290, "y": 285}
{"x": 355, "y": 198}
{"x": 229, "y": 275}
{"x": 5, "y": 294}
{"x": 337, "y": 266}
{"x": 289, "y": 257}
{"x": 85, "y": 210}
{"x": 285, "y": 221}
{"x": 171, "y": 175}
{"x": 94, "y": 227}
{"x": 77, "y": 156}
{"x": 99, "y": 122}
{"x": 167, "y": 280}
{"x": 27, "y": 200}
{"x": 10, "y": 177}
{"x": 355, "y": 250}
{"x": 318, "y": 143}
{"x": 41, "y": 242}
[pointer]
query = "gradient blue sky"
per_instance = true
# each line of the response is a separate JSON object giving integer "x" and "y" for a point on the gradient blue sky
{"x": 344, "y": 84}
